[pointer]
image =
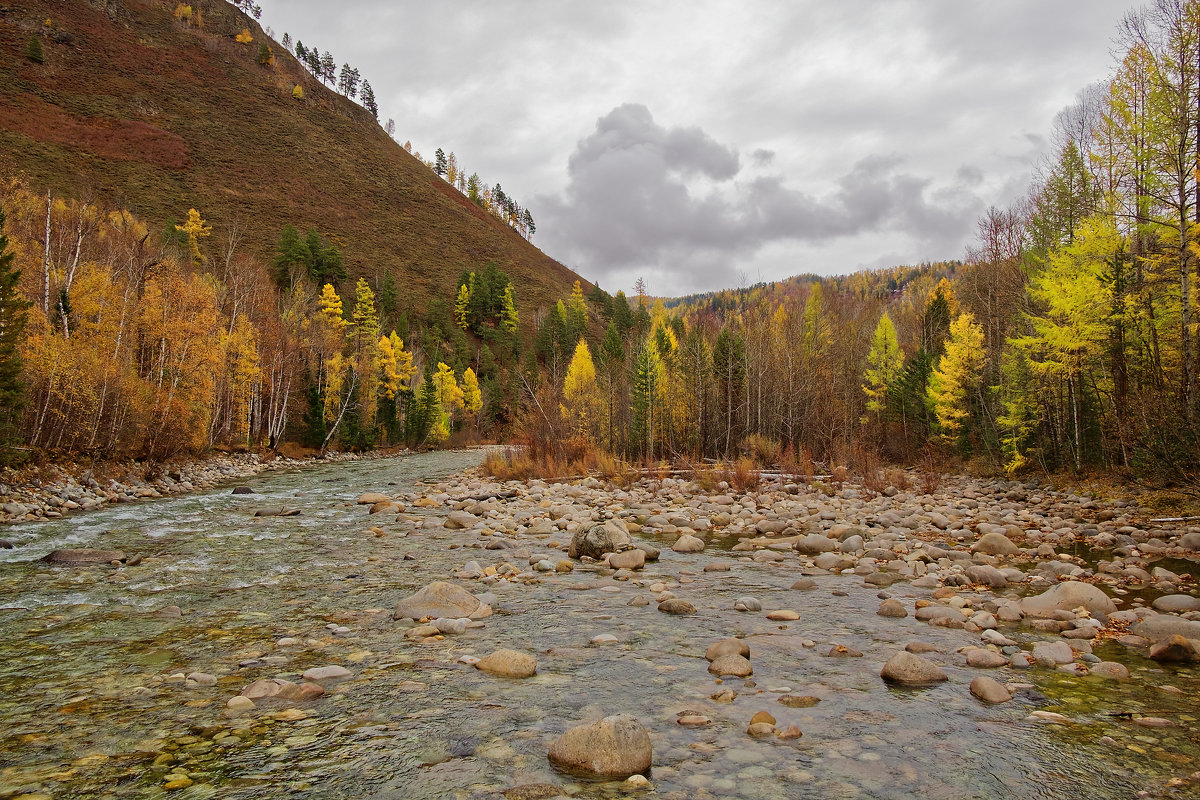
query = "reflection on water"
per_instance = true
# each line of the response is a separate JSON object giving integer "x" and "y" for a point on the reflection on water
{"x": 94, "y": 700}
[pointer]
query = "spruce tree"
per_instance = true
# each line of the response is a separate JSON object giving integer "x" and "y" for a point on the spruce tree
{"x": 12, "y": 326}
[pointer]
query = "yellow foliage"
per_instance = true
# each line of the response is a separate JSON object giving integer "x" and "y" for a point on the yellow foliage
{"x": 958, "y": 374}
{"x": 196, "y": 229}
{"x": 244, "y": 37}
{"x": 472, "y": 397}
{"x": 448, "y": 392}
{"x": 580, "y": 396}
{"x": 297, "y": 92}
{"x": 404, "y": 360}
{"x": 389, "y": 381}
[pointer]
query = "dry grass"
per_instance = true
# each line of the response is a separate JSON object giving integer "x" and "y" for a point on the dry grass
{"x": 764, "y": 450}
{"x": 898, "y": 478}
{"x": 524, "y": 463}
{"x": 743, "y": 475}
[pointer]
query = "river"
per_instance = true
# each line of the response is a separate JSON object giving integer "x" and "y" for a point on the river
{"x": 93, "y": 701}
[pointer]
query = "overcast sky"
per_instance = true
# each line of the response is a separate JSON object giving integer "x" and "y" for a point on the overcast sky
{"x": 704, "y": 145}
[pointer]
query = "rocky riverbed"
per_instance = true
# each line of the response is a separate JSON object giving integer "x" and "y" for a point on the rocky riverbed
{"x": 414, "y": 630}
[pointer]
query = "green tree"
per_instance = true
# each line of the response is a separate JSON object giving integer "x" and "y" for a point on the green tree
{"x": 12, "y": 327}
{"x": 508, "y": 312}
{"x": 292, "y": 257}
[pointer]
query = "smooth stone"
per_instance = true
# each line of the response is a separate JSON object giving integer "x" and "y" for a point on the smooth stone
{"x": 1067, "y": 596}
{"x": 84, "y": 555}
{"x": 727, "y": 647}
{"x": 747, "y": 604}
{"x": 989, "y": 690}
{"x": 1176, "y": 649}
{"x": 330, "y": 673}
{"x": 628, "y": 559}
{"x": 908, "y": 669}
{"x": 688, "y": 544}
{"x": 595, "y": 541}
{"x": 982, "y": 658}
{"x": 438, "y": 599}
{"x": 508, "y": 664}
{"x": 783, "y": 615}
{"x": 371, "y": 498}
{"x": 797, "y": 701}
{"x": 1111, "y": 670}
{"x": 614, "y": 747}
{"x": 731, "y": 664}
{"x": 1177, "y": 603}
{"x": 676, "y": 606}
{"x": 1053, "y": 652}
{"x": 892, "y": 608}
{"x": 804, "y": 584}
{"x": 995, "y": 544}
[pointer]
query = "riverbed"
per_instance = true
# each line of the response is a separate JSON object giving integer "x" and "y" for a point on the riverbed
{"x": 96, "y": 700}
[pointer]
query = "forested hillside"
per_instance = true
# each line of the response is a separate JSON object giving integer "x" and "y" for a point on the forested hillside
{"x": 1067, "y": 339}
{"x": 188, "y": 203}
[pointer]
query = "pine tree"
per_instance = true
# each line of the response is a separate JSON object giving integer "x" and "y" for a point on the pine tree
{"x": 368, "y": 99}
{"x": 12, "y": 329}
{"x": 292, "y": 257}
{"x": 439, "y": 162}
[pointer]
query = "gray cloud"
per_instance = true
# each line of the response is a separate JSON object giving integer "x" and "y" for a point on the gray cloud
{"x": 921, "y": 110}
{"x": 629, "y": 204}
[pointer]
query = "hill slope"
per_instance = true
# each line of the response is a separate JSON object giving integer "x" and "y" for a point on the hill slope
{"x": 133, "y": 107}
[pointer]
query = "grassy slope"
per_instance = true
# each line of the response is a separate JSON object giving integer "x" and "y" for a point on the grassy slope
{"x": 144, "y": 113}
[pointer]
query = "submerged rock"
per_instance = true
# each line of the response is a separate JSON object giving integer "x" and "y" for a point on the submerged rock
{"x": 989, "y": 690}
{"x": 83, "y": 556}
{"x": 614, "y": 747}
{"x": 908, "y": 669}
{"x": 508, "y": 664}
{"x": 438, "y": 599}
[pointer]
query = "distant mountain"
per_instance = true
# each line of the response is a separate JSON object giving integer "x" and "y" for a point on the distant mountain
{"x": 137, "y": 107}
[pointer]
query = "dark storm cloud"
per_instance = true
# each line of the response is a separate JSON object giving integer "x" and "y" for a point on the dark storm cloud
{"x": 629, "y": 204}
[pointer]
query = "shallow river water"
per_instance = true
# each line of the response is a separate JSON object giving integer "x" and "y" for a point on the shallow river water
{"x": 92, "y": 703}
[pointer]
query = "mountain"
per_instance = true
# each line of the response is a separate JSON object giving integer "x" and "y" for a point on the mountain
{"x": 137, "y": 107}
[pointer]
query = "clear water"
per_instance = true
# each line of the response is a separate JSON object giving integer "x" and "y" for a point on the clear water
{"x": 88, "y": 708}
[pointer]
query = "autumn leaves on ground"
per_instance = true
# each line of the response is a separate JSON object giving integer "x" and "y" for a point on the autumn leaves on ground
{"x": 171, "y": 324}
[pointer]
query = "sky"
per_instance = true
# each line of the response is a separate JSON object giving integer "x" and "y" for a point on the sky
{"x": 704, "y": 145}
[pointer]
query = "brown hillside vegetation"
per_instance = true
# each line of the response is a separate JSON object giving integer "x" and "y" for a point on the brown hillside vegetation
{"x": 137, "y": 109}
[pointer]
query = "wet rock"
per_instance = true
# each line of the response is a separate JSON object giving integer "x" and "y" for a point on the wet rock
{"x": 1177, "y": 603}
{"x": 688, "y": 544}
{"x": 676, "y": 606}
{"x": 1053, "y": 653}
{"x": 242, "y": 490}
{"x": 982, "y": 658}
{"x": 842, "y": 651}
{"x": 985, "y": 575}
{"x": 533, "y": 791}
{"x": 747, "y": 604}
{"x": 989, "y": 690}
{"x": 1066, "y": 596}
{"x": 892, "y": 608}
{"x": 614, "y": 747}
{"x": 239, "y": 704}
{"x": 797, "y": 701}
{"x": 1110, "y": 669}
{"x": 628, "y": 559}
{"x": 692, "y": 720}
{"x": 731, "y": 664}
{"x": 508, "y": 664}
{"x": 438, "y": 599}
{"x": 1175, "y": 649}
{"x": 783, "y": 615}
{"x": 1162, "y": 626}
{"x": 266, "y": 687}
{"x": 277, "y": 511}
{"x": 595, "y": 541}
{"x": 727, "y": 647}
{"x": 5, "y": 544}
{"x": 908, "y": 669}
{"x": 83, "y": 556}
{"x": 169, "y": 612}
{"x": 804, "y": 584}
{"x": 201, "y": 679}
{"x": 330, "y": 673}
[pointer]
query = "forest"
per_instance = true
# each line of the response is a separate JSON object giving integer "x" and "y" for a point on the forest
{"x": 1065, "y": 339}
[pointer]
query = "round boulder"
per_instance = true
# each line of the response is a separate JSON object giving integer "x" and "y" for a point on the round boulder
{"x": 508, "y": 664}
{"x": 594, "y": 541}
{"x": 1067, "y": 596}
{"x": 908, "y": 669}
{"x": 438, "y": 599}
{"x": 614, "y": 748}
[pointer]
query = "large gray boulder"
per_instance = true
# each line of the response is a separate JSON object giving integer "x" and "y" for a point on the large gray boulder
{"x": 439, "y": 599}
{"x": 1164, "y": 626}
{"x": 614, "y": 748}
{"x": 1067, "y": 596}
{"x": 594, "y": 541}
{"x": 814, "y": 544}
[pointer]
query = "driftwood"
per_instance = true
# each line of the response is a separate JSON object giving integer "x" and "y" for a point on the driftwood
{"x": 1175, "y": 519}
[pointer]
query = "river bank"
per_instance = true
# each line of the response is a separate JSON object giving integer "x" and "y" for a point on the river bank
{"x": 256, "y": 657}
{"x": 35, "y": 494}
